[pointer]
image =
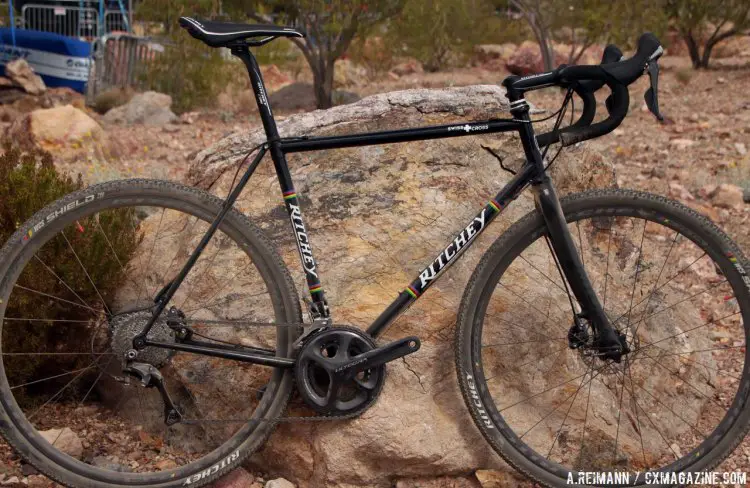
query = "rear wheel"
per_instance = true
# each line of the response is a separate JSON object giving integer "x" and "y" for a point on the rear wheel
{"x": 77, "y": 283}
{"x": 671, "y": 282}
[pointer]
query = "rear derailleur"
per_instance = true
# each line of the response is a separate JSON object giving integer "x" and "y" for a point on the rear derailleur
{"x": 150, "y": 377}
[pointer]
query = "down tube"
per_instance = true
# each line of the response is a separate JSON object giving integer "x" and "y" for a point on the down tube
{"x": 450, "y": 254}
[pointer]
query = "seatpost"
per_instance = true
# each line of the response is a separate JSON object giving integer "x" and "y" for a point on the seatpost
{"x": 319, "y": 308}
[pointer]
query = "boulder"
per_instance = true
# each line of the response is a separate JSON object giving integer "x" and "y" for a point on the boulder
{"x": 65, "y": 131}
{"x": 23, "y": 75}
{"x": 64, "y": 440}
{"x": 346, "y": 73}
{"x": 368, "y": 211}
{"x": 149, "y": 108}
{"x": 408, "y": 67}
{"x": 527, "y": 58}
{"x": 494, "y": 55}
{"x": 274, "y": 78}
{"x": 375, "y": 216}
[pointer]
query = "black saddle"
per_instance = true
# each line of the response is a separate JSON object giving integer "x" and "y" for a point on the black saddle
{"x": 223, "y": 34}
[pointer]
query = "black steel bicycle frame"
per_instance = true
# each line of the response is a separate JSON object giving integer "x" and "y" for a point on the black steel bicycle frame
{"x": 532, "y": 173}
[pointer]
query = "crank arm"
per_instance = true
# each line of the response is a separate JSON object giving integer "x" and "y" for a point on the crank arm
{"x": 378, "y": 357}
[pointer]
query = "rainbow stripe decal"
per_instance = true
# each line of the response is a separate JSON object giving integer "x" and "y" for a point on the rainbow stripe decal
{"x": 316, "y": 288}
{"x": 495, "y": 205}
{"x": 411, "y": 291}
{"x": 288, "y": 195}
{"x": 731, "y": 257}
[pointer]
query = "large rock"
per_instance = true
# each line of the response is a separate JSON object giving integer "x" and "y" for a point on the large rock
{"x": 376, "y": 215}
{"x": 65, "y": 131}
{"x": 494, "y": 56}
{"x": 149, "y": 108}
{"x": 23, "y": 75}
{"x": 527, "y": 58}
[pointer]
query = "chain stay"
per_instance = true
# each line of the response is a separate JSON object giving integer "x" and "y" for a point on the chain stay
{"x": 309, "y": 329}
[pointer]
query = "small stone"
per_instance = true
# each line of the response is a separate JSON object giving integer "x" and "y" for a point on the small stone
{"x": 681, "y": 143}
{"x": 741, "y": 148}
{"x": 112, "y": 465}
{"x": 64, "y": 440}
{"x": 727, "y": 196}
{"x": 24, "y": 76}
{"x": 721, "y": 80}
{"x": 239, "y": 478}
{"x": 694, "y": 117}
{"x": 11, "y": 481}
{"x": 38, "y": 481}
{"x": 280, "y": 483}
{"x": 676, "y": 449}
{"x": 165, "y": 464}
{"x": 170, "y": 129}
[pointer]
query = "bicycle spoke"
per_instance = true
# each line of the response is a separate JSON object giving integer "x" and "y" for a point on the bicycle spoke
{"x": 637, "y": 270}
{"x": 619, "y": 416}
{"x": 658, "y": 277}
{"x": 151, "y": 253}
{"x": 567, "y": 413}
{"x": 524, "y": 342}
{"x": 104, "y": 304}
{"x": 41, "y": 293}
{"x": 65, "y": 284}
{"x": 117, "y": 258}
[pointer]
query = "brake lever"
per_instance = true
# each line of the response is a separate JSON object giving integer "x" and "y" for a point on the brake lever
{"x": 652, "y": 94}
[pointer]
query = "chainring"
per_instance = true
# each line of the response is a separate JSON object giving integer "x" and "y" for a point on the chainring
{"x": 314, "y": 370}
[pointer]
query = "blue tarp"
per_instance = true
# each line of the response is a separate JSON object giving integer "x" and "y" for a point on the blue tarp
{"x": 59, "y": 60}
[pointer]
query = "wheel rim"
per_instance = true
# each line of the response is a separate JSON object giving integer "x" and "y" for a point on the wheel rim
{"x": 551, "y": 418}
{"x": 139, "y": 446}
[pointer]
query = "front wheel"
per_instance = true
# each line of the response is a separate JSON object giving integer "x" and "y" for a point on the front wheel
{"x": 669, "y": 280}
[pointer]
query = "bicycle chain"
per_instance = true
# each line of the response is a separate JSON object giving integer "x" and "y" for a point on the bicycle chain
{"x": 310, "y": 418}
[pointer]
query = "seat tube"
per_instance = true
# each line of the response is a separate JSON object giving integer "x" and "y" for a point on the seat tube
{"x": 291, "y": 201}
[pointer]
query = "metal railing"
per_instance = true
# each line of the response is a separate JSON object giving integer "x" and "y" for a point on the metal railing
{"x": 71, "y": 21}
{"x": 119, "y": 60}
{"x": 73, "y": 18}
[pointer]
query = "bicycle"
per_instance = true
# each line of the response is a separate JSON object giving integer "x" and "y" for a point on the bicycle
{"x": 628, "y": 328}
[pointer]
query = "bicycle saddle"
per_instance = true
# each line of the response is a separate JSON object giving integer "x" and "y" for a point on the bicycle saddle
{"x": 222, "y": 34}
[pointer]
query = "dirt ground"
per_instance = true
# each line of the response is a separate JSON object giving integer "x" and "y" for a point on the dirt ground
{"x": 704, "y": 142}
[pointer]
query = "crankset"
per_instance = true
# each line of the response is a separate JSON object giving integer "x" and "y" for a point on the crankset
{"x": 340, "y": 371}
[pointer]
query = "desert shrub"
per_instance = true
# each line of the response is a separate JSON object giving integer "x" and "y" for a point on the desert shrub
{"x": 441, "y": 32}
{"x": 684, "y": 76}
{"x": 107, "y": 100}
{"x": 374, "y": 54}
{"x": 192, "y": 73}
{"x": 29, "y": 181}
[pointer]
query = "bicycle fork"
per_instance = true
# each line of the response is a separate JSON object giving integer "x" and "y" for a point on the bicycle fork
{"x": 609, "y": 343}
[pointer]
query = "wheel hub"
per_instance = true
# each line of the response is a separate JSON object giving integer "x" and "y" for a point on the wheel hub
{"x": 327, "y": 390}
{"x": 124, "y": 327}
